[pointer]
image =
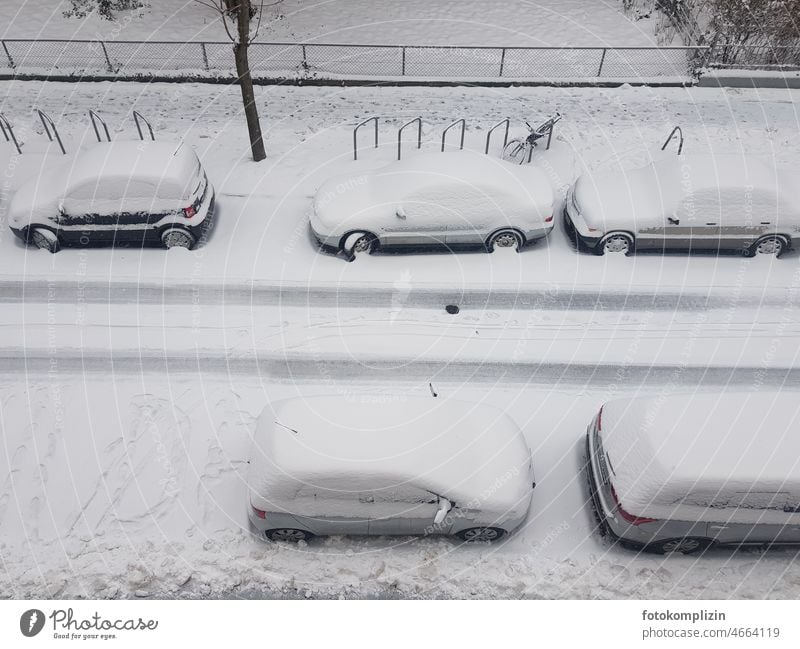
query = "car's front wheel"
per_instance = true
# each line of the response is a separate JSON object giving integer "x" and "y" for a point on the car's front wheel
{"x": 288, "y": 535}
{"x": 616, "y": 243}
{"x": 684, "y": 545}
{"x": 358, "y": 243}
{"x": 481, "y": 534}
{"x": 44, "y": 239}
{"x": 504, "y": 240}
{"x": 177, "y": 238}
{"x": 772, "y": 245}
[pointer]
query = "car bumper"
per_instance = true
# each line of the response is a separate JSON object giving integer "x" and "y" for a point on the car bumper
{"x": 586, "y": 241}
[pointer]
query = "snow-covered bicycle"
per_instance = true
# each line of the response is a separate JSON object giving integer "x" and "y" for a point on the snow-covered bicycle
{"x": 520, "y": 150}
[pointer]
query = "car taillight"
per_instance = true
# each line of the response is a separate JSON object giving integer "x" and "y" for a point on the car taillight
{"x": 260, "y": 513}
{"x": 548, "y": 219}
{"x": 630, "y": 518}
{"x": 189, "y": 212}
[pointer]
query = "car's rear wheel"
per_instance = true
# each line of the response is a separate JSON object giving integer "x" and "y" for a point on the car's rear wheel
{"x": 616, "y": 243}
{"x": 481, "y": 534}
{"x": 177, "y": 238}
{"x": 44, "y": 239}
{"x": 684, "y": 545}
{"x": 287, "y": 534}
{"x": 772, "y": 245}
{"x": 504, "y": 239}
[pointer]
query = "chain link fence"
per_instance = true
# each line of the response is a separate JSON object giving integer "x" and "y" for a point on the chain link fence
{"x": 317, "y": 60}
{"x": 763, "y": 56}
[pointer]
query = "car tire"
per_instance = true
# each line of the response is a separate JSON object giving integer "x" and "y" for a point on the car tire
{"x": 358, "y": 243}
{"x": 177, "y": 238}
{"x": 615, "y": 243}
{"x": 773, "y": 245}
{"x": 44, "y": 239}
{"x": 288, "y": 535}
{"x": 506, "y": 238}
{"x": 683, "y": 545}
{"x": 481, "y": 534}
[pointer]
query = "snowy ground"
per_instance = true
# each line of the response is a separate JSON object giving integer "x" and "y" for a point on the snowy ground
{"x": 412, "y": 22}
{"x": 129, "y": 380}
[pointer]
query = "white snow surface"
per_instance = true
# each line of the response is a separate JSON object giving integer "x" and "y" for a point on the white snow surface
{"x": 671, "y": 456}
{"x": 131, "y": 380}
{"x": 472, "y": 454}
{"x": 412, "y": 22}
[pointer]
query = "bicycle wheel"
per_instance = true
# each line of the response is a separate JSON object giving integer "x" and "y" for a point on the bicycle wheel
{"x": 516, "y": 151}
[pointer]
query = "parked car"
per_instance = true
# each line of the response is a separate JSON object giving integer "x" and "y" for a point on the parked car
{"x": 116, "y": 192}
{"x": 684, "y": 473}
{"x": 698, "y": 202}
{"x": 435, "y": 199}
{"x": 411, "y": 466}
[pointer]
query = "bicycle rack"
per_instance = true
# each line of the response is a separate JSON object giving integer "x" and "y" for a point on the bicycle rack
{"x": 677, "y": 130}
{"x": 507, "y": 122}
{"x": 418, "y": 120}
{"x": 95, "y": 118}
{"x": 355, "y": 134}
{"x": 463, "y": 128}
{"x": 8, "y": 132}
{"x": 47, "y": 120}
{"x": 138, "y": 118}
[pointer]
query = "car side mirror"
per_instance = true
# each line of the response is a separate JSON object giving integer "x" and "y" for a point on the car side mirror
{"x": 444, "y": 508}
{"x": 673, "y": 220}
{"x": 400, "y": 213}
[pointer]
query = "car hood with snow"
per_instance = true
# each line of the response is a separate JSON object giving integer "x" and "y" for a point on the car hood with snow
{"x": 460, "y": 185}
{"x": 472, "y": 454}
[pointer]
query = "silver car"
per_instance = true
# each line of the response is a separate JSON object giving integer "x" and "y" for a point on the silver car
{"x": 405, "y": 466}
{"x": 685, "y": 473}
{"x": 455, "y": 200}
{"x": 700, "y": 202}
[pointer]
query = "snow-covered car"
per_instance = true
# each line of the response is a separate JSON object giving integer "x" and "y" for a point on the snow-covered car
{"x": 117, "y": 192}
{"x": 691, "y": 202}
{"x": 687, "y": 472}
{"x": 435, "y": 199}
{"x": 411, "y": 466}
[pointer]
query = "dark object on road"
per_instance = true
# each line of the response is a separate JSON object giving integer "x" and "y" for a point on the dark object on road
{"x": 452, "y": 309}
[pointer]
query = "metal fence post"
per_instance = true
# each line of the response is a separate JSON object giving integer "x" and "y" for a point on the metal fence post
{"x": 205, "y": 55}
{"x": 304, "y": 62}
{"x": 602, "y": 60}
{"x": 105, "y": 53}
{"x": 8, "y": 54}
{"x": 502, "y": 61}
{"x": 403, "y": 70}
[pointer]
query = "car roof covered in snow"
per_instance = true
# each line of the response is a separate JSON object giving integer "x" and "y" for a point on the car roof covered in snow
{"x": 462, "y": 451}
{"x": 619, "y": 198}
{"x": 715, "y": 446}
{"x": 134, "y": 158}
{"x": 459, "y": 182}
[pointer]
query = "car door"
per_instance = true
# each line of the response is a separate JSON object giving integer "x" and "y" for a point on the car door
{"x": 760, "y": 527}
{"x": 421, "y": 218}
{"x": 331, "y": 511}
{"x": 402, "y": 510}
{"x": 480, "y": 212}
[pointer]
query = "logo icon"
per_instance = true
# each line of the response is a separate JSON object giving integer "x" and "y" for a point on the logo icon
{"x": 31, "y": 622}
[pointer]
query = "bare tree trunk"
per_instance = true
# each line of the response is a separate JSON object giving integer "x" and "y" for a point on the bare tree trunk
{"x": 246, "y": 81}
